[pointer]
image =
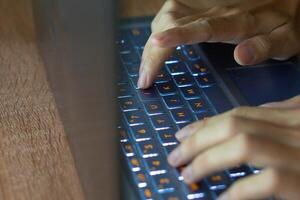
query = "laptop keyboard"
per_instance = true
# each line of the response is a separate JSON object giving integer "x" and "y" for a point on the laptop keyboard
{"x": 184, "y": 91}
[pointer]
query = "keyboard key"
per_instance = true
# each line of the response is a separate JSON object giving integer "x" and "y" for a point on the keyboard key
{"x": 167, "y": 137}
{"x": 148, "y": 148}
{"x": 135, "y": 118}
{"x": 167, "y": 88}
{"x": 178, "y": 172}
{"x": 148, "y": 94}
{"x": 123, "y": 134}
{"x": 196, "y": 191}
{"x": 124, "y": 46}
{"x": 160, "y": 122}
{"x": 182, "y": 125}
{"x": 218, "y": 181}
{"x": 171, "y": 196}
{"x": 128, "y": 104}
{"x": 183, "y": 80}
{"x": 130, "y": 58}
{"x": 141, "y": 132}
{"x": 134, "y": 163}
{"x": 177, "y": 68}
{"x": 203, "y": 115}
{"x": 163, "y": 183}
{"x": 198, "y": 105}
{"x": 218, "y": 99}
{"x": 138, "y": 36}
{"x": 181, "y": 115}
{"x": 173, "y": 101}
{"x": 153, "y": 107}
{"x": 197, "y": 68}
{"x": 205, "y": 80}
{"x": 124, "y": 91}
{"x": 140, "y": 179}
{"x": 190, "y": 52}
{"x": 134, "y": 81}
{"x": 155, "y": 165}
{"x": 239, "y": 172}
{"x": 190, "y": 92}
{"x": 132, "y": 69}
{"x": 128, "y": 149}
{"x": 162, "y": 76}
{"x": 147, "y": 193}
{"x": 174, "y": 58}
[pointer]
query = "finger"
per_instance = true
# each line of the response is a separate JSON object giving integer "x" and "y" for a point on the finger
{"x": 153, "y": 57}
{"x": 293, "y": 103}
{"x": 270, "y": 182}
{"x": 190, "y": 129}
{"x": 152, "y": 61}
{"x": 241, "y": 149}
{"x": 281, "y": 44}
{"x": 273, "y": 116}
{"x": 170, "y": 6}
{"x": 209, "y": 30}
{"x": 226, "y": 129}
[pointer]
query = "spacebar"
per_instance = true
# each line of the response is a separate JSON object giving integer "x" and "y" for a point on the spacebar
{"x": 218, "y": 99}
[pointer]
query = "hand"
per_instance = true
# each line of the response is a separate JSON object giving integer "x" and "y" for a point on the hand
{"x": 267, "y": 137}
{"x": 262, "y": 29}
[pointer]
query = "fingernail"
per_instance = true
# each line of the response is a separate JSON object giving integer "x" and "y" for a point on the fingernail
{"x": 251, "y": 56}
{"x": 174, "y": 157}
{"x": 187, "y": 174}
{"x": 223, "y": 197}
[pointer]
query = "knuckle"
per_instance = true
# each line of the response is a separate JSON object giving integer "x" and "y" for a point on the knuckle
{"x": 208, "y": 24}
{"x": 263, "y": 45}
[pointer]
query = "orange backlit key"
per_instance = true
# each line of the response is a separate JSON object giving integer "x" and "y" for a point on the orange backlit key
{"x": 140, "y": 179}
{"x": 123, "y": 134}
{"x": 160, "y": 122}
{"x": 135, "y": 164}
{"x": 155, "y": 165}
{"x": 167, "y": 137}
{"x": 167, "y": 88}
{"x": 135, "y": 118}
{"x": 197, "y": 68}
{"x": 218, "y": 181}
{"x": 198, "y": 105}
{"x": 153, "y": 107}
{"x": 163, "y": 183}
{"x": 195, "y": 191}
{"x": 181, "y": 115}
{"x": 128, "y": 149}
{"x": 147, "y": 193}
{"x": 141, "y": 132}
{"x": 128, "y": 104}
{"x": 148, "y": 148}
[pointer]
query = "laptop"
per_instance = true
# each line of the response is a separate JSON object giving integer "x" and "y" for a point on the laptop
{"x": 196, "y": 82}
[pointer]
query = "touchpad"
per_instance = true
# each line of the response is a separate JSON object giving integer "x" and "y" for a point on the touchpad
{"x": 263, "y": 84}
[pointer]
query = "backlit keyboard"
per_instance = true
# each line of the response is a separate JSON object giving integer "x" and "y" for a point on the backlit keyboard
{"x": 184, "y": 91}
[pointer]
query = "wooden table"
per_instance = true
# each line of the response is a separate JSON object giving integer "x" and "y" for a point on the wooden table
{"x": 35, "y": 158}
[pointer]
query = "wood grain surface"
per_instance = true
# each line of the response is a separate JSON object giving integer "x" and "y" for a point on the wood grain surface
{"x": 35, "y": 158}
